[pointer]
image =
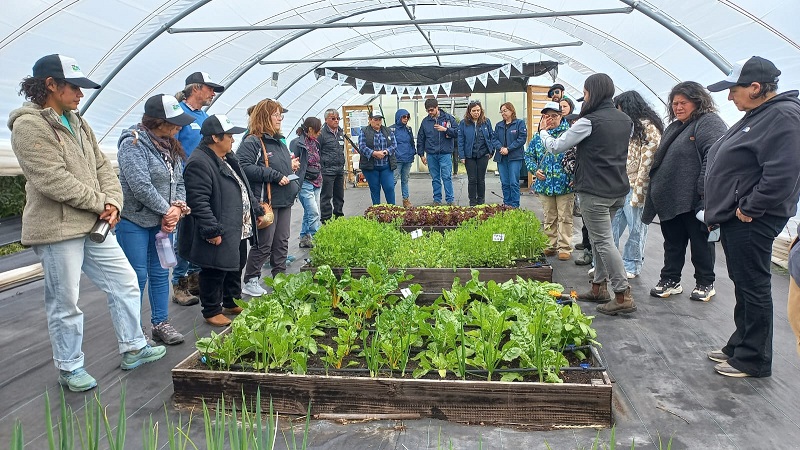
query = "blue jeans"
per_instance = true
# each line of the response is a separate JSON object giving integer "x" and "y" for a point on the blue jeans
{"x": 105, "y": 264}
{"x": 380, "y": 177}
{"x": 630, "y": 217}
{"x": 139, "y": 245}
{"x": 441, "y": 169}
{"x": 184, "y": 267}
{"x": 402, "y": 172}
{"x": 309, "y": 198}
{"x": 597, "y": 213}
{"x": 509, "y": 180}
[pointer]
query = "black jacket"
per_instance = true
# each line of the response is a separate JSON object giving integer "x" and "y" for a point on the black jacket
{"x": 331, "y": 151}
{"x": 755, "y": 166}
{"x": 603, "y": 156}
{"x": 216, "y": 201}
{"x": 368, "y": 134}
{"x": 251, "y": 157}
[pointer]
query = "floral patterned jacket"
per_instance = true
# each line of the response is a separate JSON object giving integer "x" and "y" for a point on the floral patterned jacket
{"x": 640, "y": 158}
{"x": 557, "y": 181}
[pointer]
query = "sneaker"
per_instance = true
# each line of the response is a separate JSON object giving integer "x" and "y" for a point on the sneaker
{"x": 77, "y": 380}
{"x": 702, "y": 293}
{"x": 147, "y": 337}
{"x": 665, "y": 288}
{"x": 181, "y": 294}
{"x": 586, "y": 259}
{"x": 590, "y": 272}
{"x": 728, "y": 370}
{"x": 164, "y": 332}
{"x": 252, "y": 288}
{"x": 132, "y": 360}
{"x": 717, "y": 356}
{"x": 305, "y": 242}
{"x": 630, "y": 275}
{"x": 406, "y": 203}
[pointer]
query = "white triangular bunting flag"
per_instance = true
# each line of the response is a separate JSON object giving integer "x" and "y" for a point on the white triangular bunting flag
{"x": 447, "y": 86}
{"x": 401, "y": 91}
{"x": 484, "y": 78}
{"x": 341, "y": 77}
{"x": 377, "y": 86}
{"x": 495, "y": 75}
{"x": 359, "y": 84}
{"x": 390, "y": 89}
{"x": 330, "y": 74}
{"x": 435, "y": 89}
{"x": 471, "y": 82}
{"x": 517, "y": 65}
{"x": 506, "y": 69}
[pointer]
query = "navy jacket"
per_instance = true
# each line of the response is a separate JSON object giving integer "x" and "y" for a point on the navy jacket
{"x": 755, "y": 165}
{"x": 435, "y": 142}
{"x": 466, "y": 138}
{"x": 513, "y": 137}
{"x": 404, "y": 137}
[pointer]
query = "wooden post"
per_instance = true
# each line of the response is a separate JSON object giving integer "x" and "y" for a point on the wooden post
{"x": 347, "y": 111}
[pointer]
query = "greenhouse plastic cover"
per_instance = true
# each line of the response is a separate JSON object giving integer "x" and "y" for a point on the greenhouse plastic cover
{"x": 128, "y": 47}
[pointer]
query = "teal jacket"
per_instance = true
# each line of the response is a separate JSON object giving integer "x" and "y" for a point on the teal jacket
{"x": 557, "y": 181}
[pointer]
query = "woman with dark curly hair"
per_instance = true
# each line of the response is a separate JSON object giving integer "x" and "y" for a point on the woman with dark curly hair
{"x": 647, "y": 129}
{"x": 676, "y": 189}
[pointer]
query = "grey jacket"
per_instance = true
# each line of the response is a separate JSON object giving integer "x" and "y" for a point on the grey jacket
{"x": 676, "y": 177}
{"x": 148, "y": 184}
{"x": 69, "y": 180}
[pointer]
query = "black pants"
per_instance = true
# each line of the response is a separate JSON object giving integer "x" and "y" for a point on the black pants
{"x": 273, "y": 245}
{"x": 748, "y": 250}
{"x": 686, "y": 229}
{"x": 476, "y": 179}
{"x": 455, "y": 162}
{"x": 221, "y": 286}
{"x": 332, "y": 190}
{"x": 587, "y": 244}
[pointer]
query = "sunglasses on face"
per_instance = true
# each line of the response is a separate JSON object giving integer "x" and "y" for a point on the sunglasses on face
{"x": 405, "y": 117}
{"x": 334, "y": 118}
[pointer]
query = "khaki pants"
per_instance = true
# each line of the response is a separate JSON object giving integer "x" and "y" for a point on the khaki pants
{"x": 794, "y": 309}
{"x": 558, "y": 221}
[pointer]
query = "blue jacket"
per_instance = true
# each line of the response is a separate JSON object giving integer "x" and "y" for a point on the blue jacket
{"x": 466, "y": 138}
{"x": 404, "y": 138}
{"x": 189, "y": 136}
{"x": 511, "y": 136}
{"x": 435, "y": 142}
{"x": 557, "y": 181}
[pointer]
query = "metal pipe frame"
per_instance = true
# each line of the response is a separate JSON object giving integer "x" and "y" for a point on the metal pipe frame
{"x": 386, "y": 23}
{"x": 423, "y": 55}
{"x": 419, "y": 28}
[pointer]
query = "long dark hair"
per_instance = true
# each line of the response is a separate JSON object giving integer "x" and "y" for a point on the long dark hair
{"x": 696, "y": 94}
{"x": 637, "y": 108}
{"x": 468, "y": 116}
{"x": 600, "y": 88}
{"x": 310, "y": 122}
{"x": 176, "y": 149}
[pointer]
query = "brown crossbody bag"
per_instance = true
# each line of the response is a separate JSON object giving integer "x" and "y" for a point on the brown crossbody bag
{"x": 269, "y": 216}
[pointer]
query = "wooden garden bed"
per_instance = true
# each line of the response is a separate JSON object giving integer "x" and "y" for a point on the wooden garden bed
{"x": 527, "y": 404}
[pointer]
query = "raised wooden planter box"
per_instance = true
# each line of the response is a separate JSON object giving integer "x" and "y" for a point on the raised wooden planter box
{"x": 434, "y": 280}
{"x": 533, "y": 405}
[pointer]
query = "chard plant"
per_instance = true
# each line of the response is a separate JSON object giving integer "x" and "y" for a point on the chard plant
{"x": 487, "y": 340}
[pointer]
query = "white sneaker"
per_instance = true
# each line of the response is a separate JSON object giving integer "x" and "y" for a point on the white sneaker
{"x": 252, "y": 288}
{"x": 591, "y": 271}
{"x": 630, "y": 275}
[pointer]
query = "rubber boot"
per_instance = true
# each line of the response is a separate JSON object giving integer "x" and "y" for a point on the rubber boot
{"x": 622, "y": 304}
{"x": 597, "y": 294}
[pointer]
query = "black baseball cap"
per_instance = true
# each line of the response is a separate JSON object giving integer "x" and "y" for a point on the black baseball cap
{"x": 64, "y": 68}
{"x": 203, "y": 78}
{"x": 166, "y": 107}
{"x": 554, "y": 87}
{"x": 219, "y": 124}
{"x": 746, "y": 71}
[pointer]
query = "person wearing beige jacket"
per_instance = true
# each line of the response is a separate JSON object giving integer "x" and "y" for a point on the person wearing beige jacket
{"x": 70, "y": 186}
{"x": 647, "y": 129}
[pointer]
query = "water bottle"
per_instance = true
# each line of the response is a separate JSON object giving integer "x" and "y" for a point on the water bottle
{"x": 166, "y": 255}
{"x": 99, "y": 231}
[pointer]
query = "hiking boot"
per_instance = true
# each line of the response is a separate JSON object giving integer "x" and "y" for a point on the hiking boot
{"x": 252, "y": 288}
{"x": 622, "y": 304}
{"x": 77, "y": 380}
{"x": 436, "y": 204}
{"x": 164, "y": 332}
{"x": 586, "y": 259}
{"x": 134, "y": 359}
{"x": 305, "y": 242}
{"x": 563, "y": 256}
{"x": 236, "y": 310}
{"x": 717, "y": 356}
{"x": 194, "y": 283}
{"x": 728, "y": 370}
{"x": 597, "y": 294}
{"x": 702, "y": 292}
{"x": 549, "y": 252}
{"x": 147, "y": 337}
{"x": 451, "y": 203}
{"x": 218, "y": 321}
{"x": 181, "y": 294}
{"x": 407, "y": 203}
{"x": 665, "y": 288}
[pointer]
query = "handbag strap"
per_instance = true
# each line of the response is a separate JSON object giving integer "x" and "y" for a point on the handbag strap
{"x": 266, "y": 164}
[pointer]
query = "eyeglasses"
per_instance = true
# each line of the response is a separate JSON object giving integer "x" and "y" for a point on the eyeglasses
{"x": 334, "y": 118}
{"x": 278, "y": 115}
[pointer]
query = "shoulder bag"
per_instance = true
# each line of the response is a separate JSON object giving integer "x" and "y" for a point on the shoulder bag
{"x": 269, "y": 216}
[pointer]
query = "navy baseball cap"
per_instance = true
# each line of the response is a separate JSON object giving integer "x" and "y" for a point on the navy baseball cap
{"x": 64, "y": 68}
